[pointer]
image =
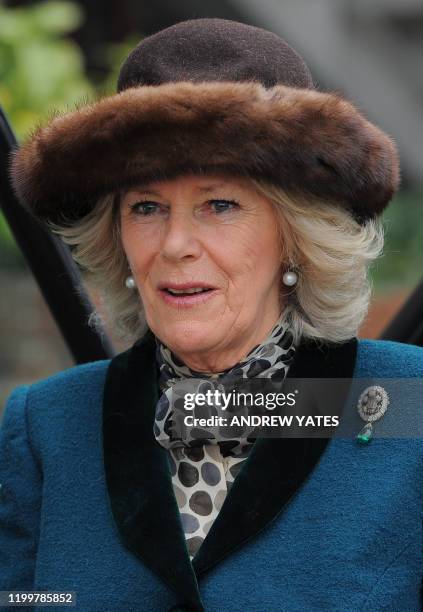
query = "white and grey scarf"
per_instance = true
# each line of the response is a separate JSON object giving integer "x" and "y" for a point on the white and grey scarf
{"x": 204, "y": 470}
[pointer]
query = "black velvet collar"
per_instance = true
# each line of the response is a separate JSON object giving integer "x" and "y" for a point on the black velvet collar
{"x": 139, "y": 479}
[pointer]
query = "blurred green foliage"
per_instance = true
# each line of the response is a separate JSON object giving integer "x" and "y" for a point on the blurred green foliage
{"x": 402, "y": 261}
{"x": 42, "y": 70}
{"x": 39, "y": 67}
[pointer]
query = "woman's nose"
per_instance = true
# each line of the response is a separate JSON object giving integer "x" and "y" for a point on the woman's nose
{"x": 180, "y": 238}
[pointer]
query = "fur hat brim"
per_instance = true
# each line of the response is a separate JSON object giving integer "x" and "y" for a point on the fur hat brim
{"x": 304, "y": 140}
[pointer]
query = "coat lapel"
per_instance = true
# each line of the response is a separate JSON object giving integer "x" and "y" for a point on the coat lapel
{"x": 275, "y": 468}
{"x": 139, "y": 479}
{"x": 137, "y": 471}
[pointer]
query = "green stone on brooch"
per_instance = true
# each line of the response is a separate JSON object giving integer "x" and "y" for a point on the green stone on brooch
{"x": 365, "y": 435}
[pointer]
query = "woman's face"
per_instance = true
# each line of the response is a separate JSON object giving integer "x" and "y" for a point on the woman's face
{"x": 210, "y": 232}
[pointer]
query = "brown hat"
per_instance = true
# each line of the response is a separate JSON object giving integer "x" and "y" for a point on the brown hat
{"x": 201, "y": 96}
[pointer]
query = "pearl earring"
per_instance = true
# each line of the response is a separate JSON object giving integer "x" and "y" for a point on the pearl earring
{"x": 290, "y": 278}
{"x": 130, "y": 282}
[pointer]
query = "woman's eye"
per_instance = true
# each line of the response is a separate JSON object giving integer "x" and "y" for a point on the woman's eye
{"x": 223, "y": 205}
{"x": 144, "y": 208}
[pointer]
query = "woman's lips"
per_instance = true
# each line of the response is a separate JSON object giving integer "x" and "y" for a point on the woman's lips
{"x": 187, "y": 301}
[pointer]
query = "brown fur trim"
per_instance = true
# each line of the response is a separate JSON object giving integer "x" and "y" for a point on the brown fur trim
{"x": 301, "y": 139}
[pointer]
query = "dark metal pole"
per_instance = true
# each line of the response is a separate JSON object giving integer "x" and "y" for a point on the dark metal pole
{"x": 407, "y": 325}
{"x": 52, "y": 265}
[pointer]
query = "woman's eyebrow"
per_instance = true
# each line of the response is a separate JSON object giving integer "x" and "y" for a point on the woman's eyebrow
{"x": 205, "y": 189}
{"x": 212, "y": 187}
{"x": 147, "y": 192}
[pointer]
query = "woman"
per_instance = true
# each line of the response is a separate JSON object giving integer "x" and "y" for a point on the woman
{"x": 229, "y": 212}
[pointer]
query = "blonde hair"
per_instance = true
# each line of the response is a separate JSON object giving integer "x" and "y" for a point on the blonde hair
{"x": 321, "y": 241}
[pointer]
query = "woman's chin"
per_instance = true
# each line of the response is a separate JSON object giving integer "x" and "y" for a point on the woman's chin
{"x": 188, "y": 338}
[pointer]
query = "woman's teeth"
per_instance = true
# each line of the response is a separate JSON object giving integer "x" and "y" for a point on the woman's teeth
{"x": 183, "y": 291}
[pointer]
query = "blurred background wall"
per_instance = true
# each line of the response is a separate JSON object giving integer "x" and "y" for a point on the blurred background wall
{"x": 54, "y": 54}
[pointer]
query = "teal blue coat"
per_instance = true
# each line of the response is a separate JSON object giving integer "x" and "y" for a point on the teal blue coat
{"x": 87, "y": 505}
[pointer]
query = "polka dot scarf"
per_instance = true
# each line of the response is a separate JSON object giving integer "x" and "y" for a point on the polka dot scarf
{"x": 204, "y": 470}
